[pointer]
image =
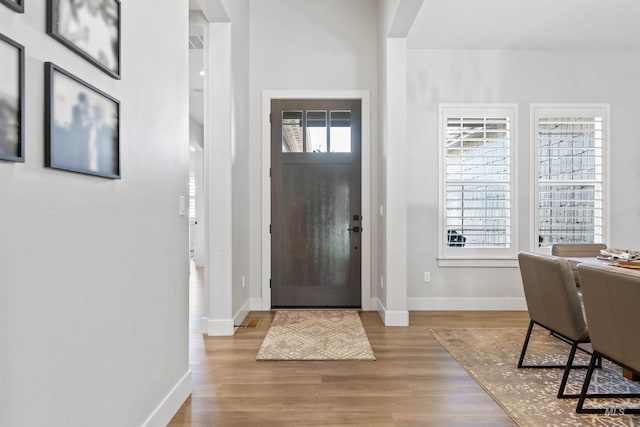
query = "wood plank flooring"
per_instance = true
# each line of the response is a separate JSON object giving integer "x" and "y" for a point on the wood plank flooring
{"x": 413, "y": 382}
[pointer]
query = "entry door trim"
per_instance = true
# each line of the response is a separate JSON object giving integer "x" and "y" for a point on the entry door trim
{"x": 364, "y": 96}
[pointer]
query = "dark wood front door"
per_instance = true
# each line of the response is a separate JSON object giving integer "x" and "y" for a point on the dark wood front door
{"x": 315, "y": 203}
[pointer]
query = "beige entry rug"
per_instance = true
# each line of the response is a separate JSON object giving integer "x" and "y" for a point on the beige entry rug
{"x": 316, "y": 335}
{"x": 528, "y": 396}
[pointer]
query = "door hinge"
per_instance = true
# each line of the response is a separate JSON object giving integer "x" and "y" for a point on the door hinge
{"x": 269, "y": 172}
{"x": 270, "y": 117}
{"x": 269, "y": 283}
{"x": 269, "y": 228}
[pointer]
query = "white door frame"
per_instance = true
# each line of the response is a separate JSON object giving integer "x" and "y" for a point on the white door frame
{"x": 364, "y": 96}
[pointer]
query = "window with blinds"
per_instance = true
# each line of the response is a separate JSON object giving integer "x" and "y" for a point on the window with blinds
{"x": 477, "y": 156}
{"x": 570, "y": 165}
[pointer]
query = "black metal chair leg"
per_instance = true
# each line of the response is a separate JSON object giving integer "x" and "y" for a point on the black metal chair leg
{"x": 580, "y": 409}
{"x": 567, "y": 370}
{"x": 525, "y": 346}
{"x": 526, "y": 343}
{"x": 587, "y": 381}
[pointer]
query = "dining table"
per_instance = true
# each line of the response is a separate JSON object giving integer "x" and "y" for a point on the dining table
{"x": 574, "y": 261}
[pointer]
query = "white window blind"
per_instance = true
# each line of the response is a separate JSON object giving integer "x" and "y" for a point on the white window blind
{"x": 477, "y": 152}
{"x": 570, "y": 165}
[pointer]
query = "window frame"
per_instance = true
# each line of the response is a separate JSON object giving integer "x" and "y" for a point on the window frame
{"x": 567, "y": 110}
{"x": 478, "y": 257}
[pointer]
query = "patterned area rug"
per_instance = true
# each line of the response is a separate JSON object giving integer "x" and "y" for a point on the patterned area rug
{"x": 528, "y": 396}
{"x": 316, "y": 335}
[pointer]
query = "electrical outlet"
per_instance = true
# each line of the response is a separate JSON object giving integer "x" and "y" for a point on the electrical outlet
{"x": 382, "y": 281}
{"x": 427, "y": 276}
{"x": 243, "y": 283}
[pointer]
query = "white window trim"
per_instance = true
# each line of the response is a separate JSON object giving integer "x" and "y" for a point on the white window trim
{"x": 478, "y": 257}
{"x": 561, "y": 109}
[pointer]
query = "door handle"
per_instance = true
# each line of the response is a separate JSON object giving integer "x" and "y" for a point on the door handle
{"x": 354, "y": 229}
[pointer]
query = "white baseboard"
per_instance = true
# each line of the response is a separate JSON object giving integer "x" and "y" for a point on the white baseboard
{"x": 392, "y": 318}
{"x": 171, "y": 403}
{"x": 217, "y": 327}
{"x": 424, "y": 304}
{"x": 242, "y": 313}
{"x": 467, "y": 304}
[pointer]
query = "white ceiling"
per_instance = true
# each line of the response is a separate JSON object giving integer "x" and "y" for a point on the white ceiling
{"x": 526, "y": 24}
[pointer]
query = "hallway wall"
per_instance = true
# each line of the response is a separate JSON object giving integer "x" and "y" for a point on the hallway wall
{"x": 94, "y": 272}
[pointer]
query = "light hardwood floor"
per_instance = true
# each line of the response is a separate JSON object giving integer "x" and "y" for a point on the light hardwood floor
{"x": 413, "y": 382}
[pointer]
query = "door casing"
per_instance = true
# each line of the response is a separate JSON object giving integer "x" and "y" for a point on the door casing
{"x": 364, "y": 96}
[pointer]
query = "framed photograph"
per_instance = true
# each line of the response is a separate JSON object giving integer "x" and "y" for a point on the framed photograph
{"x": 11, "y": 100}
{"x": 17, "y": 5}
{"x": 91, "y": 28}
{"x": 81, "y": 126}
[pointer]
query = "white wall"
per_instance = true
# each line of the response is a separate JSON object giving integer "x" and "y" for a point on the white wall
{"x": 395, "y": 20}
{"x": 522, "y": 77}
{"x": 94, "y": 272}
{"x": 226, "y": 165}
{"x": 238, "y": 11}
{"x": 386, "y": 12}
{"x": 303, "y": 46}
{"x": 218, "y": 183}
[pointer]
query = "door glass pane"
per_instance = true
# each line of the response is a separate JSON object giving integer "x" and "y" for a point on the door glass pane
{"x": 292, "y": 131}
{"x": 340, "y": 136}
{"x": 316, "y": 131}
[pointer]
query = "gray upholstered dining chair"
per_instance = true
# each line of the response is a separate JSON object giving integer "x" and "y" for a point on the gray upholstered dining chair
{"x": 611, "y": 296}
{"x": 553, "y": 303}
{"x": 568, "y": 250}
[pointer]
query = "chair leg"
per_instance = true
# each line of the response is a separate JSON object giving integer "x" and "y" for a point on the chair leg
{"x": 580, "y": 409}
{"x": 587, "y": 381}
{"x": 567, "y": 370}
{"x": 526, "y": 343}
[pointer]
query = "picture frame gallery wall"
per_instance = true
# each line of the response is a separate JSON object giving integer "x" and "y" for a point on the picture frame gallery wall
{"x": 81, "y": 121}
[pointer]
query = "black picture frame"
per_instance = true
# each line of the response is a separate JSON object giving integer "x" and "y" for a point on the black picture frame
{"x": 11, "y": 100}
{"x": 90, "y": 28}
{"x": 17, "y": 5}
{"x": 82, "y": 126}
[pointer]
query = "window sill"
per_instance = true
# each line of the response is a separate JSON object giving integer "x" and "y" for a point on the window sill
{"x": 478, "y": 262}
